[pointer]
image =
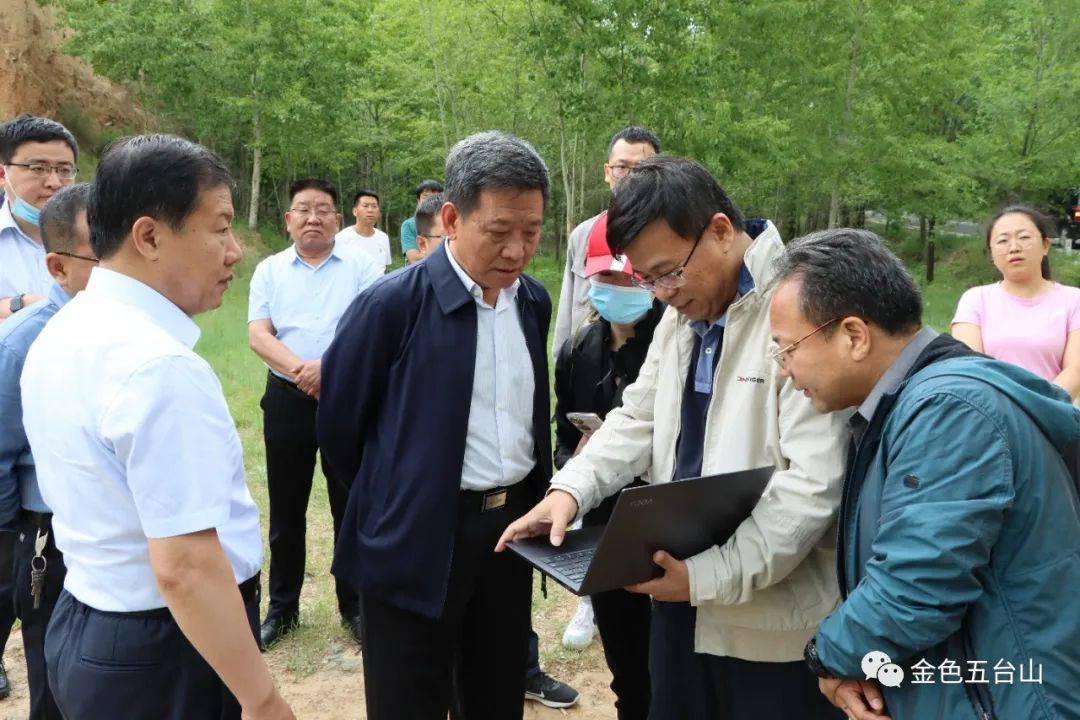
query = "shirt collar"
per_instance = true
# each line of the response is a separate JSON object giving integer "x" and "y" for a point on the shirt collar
{"x": 161, "y": 310}
{"x": 8, "y": 224}
{"x": 746, "y": 284}
{"x": 471, "y": 285}
{"x": 896, "y": 373}
{"x": 58, "y": 296}
{"x": 294, "y": 257}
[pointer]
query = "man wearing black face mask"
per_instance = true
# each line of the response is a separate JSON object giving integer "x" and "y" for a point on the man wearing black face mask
{"x": 592, "y": 368}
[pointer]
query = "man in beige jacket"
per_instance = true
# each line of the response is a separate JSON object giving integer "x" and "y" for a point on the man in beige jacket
{"x": 729, "y": 624}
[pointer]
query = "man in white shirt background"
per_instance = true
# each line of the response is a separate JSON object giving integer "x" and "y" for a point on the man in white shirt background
{"x": 139, "y": 459}
{"x": 364, "y": 235}
{"x": 297, "y": 297}
{"x": 37, "y": 158}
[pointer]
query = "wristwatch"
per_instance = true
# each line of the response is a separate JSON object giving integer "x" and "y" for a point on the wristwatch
{"x": 17, "y": 303}
{"x": 814, "y": 662}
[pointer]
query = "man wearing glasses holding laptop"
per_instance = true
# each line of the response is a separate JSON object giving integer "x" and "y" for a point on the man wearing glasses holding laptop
{"x": 729, "y": 624}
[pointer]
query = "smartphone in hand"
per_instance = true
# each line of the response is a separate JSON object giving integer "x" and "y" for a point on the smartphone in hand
{"x": 585, "y": 422}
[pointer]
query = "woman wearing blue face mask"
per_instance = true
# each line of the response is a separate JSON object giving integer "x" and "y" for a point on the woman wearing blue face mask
{"x": 599, "y": 360}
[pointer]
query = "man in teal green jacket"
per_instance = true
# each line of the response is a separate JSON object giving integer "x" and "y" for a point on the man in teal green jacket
{"x": 959, "y": 529}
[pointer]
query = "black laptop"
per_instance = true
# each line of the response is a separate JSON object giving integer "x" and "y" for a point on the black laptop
{"x": 683, "y": 518}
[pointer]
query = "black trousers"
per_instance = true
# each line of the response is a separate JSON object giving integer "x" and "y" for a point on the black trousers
{"x": 7, "y": 588}
{"x": 622, "y": 619}
{"x": 36, "y": 620}
{"x": 291, "y": 446}
{"x": 409, "y": 659}
{"x": 692, "y": 686}
{"x": 134, "y": 665}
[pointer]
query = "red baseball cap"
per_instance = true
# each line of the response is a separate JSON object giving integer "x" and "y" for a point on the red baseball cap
{"x": 598, "y": 257}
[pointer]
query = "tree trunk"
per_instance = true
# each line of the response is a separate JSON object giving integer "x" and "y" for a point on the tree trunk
{"x": 853, "y": 71}
{"x": 568, "y": 180}
{"x": 256, "y": 177}
{"x": 930, "y": 251}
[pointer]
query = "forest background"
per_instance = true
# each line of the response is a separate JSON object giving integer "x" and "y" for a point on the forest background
{"x": 809, "y": 112}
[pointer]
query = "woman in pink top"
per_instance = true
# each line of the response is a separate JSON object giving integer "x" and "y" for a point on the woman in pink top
{"x": 1026, "y": 318}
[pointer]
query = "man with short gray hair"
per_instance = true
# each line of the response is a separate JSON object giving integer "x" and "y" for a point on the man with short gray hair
{"x": 462, "y": 337}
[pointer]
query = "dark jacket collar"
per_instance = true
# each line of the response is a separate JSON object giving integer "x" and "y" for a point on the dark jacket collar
{"x": 449, "y": 290}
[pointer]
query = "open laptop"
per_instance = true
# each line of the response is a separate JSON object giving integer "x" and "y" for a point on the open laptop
{"x": 683, "y": 518}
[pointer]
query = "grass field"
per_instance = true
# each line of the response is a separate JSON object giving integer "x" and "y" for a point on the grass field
{"x": 320, "y": 641}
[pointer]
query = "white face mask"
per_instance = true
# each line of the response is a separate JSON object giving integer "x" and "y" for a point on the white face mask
{"x": 23, "y": 210}
{"x": 618, "y": 304}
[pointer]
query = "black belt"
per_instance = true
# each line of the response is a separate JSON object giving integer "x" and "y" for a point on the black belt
{"x": 288, "y": 385}
{"x": 40, "y": 520}
{"x": 488, "y": 500}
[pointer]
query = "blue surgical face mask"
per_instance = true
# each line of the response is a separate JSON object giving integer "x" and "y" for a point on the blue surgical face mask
{"x": 24, "y": 210}
{"x": 618, "y": 304}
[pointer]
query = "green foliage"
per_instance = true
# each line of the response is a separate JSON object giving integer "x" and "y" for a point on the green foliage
{"x": 809, "y": 111}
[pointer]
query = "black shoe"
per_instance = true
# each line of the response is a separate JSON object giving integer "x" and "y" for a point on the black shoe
{"x": 352, "y": 624}
{"x": 550, "y": 692}
{"x": 5, "y": 685}
{"x": 276, "y": 627}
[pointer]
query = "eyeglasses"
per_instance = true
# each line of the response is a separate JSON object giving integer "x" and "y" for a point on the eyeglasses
{"x": 672, "y": 279}
{"x": 619, "y": 171}
{"x": 1024, "y": 241}
{"x": 321, "y": 214}
{"x": 43, "y": 170}
{"x": 79, "y": 257}
{"x": 781, "y": 356}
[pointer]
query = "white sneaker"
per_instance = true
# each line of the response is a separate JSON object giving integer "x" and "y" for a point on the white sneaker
{"x": 581, "y": 628}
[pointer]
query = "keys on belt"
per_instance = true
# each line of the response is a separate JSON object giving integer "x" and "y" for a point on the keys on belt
{"x": 38, "y": 565}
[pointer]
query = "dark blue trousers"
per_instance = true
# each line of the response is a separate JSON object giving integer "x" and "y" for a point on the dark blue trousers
{"x": 690, "y": 686}
{"x": 106, "y": 665}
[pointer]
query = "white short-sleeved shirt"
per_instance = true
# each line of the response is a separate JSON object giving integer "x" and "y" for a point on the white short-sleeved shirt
{"x": 22, "y": 261}
{"x": 500, "y": 449}
{"x": 132, "y": 440}
{"x": 305, "y": 302}
{"x": 377, "y": 245}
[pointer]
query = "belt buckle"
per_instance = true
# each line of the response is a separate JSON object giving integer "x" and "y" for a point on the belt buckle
{"x": 494, "y": 499}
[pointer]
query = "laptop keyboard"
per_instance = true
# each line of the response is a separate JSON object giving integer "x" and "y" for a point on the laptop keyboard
{"x": 573, "y": 565}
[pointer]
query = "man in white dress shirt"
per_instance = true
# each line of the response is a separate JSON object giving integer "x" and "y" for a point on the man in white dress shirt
{"x": 297, "y": 297}
{"x": 139, "y": 459}
{"x": 364, "y": 235}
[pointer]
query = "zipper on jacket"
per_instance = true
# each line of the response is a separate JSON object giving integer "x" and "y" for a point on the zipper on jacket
{"x": 983, "y": 710}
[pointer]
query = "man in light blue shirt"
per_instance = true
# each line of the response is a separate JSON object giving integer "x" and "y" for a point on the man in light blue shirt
{"x": 139, "y": 459}
{"x": 297, "y": 297}
{"x": 37, "y": 158}
{"x": 22, "y": 509}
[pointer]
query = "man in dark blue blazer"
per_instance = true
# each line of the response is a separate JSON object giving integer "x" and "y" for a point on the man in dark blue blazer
{"x": 457, "y": 344}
